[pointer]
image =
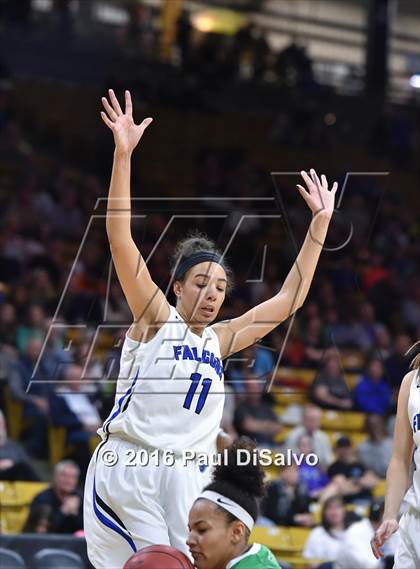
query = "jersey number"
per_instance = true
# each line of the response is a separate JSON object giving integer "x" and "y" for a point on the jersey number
{"x": 195, "y": 378}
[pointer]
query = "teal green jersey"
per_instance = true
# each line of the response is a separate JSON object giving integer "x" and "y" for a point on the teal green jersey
{"x": 257, "y": 557}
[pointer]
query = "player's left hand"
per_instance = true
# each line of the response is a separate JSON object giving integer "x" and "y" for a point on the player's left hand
{"x": 384, "y": 532}
{"x": 318, "y": 197}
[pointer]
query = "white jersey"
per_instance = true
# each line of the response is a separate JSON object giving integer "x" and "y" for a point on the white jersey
{"x": 170, "y": 390}
{"x": 413, "y": 494}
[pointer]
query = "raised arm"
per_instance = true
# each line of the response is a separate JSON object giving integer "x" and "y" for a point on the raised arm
{"x": 397, "y": 476}
{"x": 237, "y": 334}
{"x": 146, "y": 301}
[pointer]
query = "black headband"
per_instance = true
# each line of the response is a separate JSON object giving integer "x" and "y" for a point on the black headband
{"x": 194, "y": 259}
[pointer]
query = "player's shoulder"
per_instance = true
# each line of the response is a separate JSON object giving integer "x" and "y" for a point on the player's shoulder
{"x": 408, "y": 380}
{"x": 258, "y": 557}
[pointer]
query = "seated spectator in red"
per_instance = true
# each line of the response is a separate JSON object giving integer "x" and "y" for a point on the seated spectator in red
{"x": 15, "y": 464}
{"x": 375, "y": 452}
{"x": 287, "y": 500}
{"x": 293, "y": 349}
{"x": 319, "y": 440}
{"x": 349, "y": 478}
{"x": 329, "y": 389}
{"x": 372, "y": 394}
{"x": 254, "y": 417}
{"x": 39, "y": 519}
{"x": 65, "y": 502}
{"x": 73, "y": 409}
{"x": 312, "y": 475}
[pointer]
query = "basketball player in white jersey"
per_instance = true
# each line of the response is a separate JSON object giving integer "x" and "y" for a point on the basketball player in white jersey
{"x": 170, "y": 393}
{"x": 406, "y": 440}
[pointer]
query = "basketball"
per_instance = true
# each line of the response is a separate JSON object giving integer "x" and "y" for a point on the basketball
{"x": 158, "y": 557}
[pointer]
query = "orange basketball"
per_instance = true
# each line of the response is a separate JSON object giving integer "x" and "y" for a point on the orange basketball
{"x": 158, "y": 557}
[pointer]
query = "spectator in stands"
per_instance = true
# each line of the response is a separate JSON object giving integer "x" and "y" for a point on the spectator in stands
{"x": 350, "y": 478}
{"x": 34, "y": 327}
{"x": 64, "y": 500}
{"x": 293, "y": 351}
{"x": 254, "y": 417}
{"x": 36, "y": 400}
{"x": 88, "y": 361}
{"x": 355, "y": 551}
{"x": 72, "y": 408}
{"x": 375, "y": 452}
{"x": 8, "y": 324}
{"x": 324, "y": 541}
{"x": 397, "y": 365}
{"x": 312, "y": 475}
{"x": 15, "y": 464}
{"x": 42, "y": 292}
{"x": 287, "y": 500}
{"x": 320, "y": 443}
{"x": 254, "y": 359}
{"x": 411, "y": 305}
{"x": 314, "y": 339}
{"x": 39, "y": 519}
{"x": 329, "y": 389}
{"x": 372, "y": 394}
{"x": 383, "y": 344}
{"x": 367, "y": 327}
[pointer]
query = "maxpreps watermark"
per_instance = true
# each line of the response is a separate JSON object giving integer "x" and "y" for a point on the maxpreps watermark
{"x": 264, "y": 457}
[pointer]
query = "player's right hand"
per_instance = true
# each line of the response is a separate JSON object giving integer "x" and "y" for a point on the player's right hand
{"x": 126, "y": 133}
{"x": 382, "y": 534}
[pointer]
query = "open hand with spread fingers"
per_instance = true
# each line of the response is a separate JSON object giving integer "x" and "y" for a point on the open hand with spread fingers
{"x": 317, "y": 195}
{"x": 126, "y": 133}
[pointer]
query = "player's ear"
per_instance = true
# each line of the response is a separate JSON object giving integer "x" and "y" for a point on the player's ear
{"x": 177, "y": 287}
{"x": 237, "y": 532}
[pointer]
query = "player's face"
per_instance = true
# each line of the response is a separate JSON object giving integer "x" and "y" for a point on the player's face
{"x": 203, "y": 291}
{"x": 212, "y": 540}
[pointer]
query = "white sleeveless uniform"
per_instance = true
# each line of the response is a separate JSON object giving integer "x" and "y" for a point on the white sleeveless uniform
{"x": 169, "y": 397}
{"x": 407, "y": 555}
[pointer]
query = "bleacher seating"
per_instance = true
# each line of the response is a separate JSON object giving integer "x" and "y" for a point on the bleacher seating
{"x": 285, "y": 542}
{"x": 15, "y": 499}
{"x": 57, "y": 558}
{"x": 11, "y": 560}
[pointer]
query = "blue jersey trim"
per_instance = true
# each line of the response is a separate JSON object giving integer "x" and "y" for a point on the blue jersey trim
{"x": 120, "y": 403}
{"x": 109, "y": 523}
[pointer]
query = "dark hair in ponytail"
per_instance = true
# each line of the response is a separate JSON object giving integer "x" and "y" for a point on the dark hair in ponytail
{"x": 241, "y": 484}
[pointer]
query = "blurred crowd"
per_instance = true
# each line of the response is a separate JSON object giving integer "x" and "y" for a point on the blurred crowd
{"x": 56, "y": 288}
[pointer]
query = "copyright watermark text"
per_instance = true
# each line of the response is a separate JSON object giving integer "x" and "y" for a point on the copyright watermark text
{"x": 264, "y": 457}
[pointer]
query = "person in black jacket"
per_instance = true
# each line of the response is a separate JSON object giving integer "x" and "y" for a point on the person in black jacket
{"x": 65, "y": 502}
{"x": 71, "y": 407}
{"x": 287, "y": 500}
{"x": 15, "y": 464}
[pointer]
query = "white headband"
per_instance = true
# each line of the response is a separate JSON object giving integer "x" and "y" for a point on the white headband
{"x": 229, "y": 505}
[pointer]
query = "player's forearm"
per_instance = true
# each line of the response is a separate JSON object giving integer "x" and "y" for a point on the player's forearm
{"x": 299, "y": 279}
{"x": 118, "y": 215}
{"x": 397, "y": 483}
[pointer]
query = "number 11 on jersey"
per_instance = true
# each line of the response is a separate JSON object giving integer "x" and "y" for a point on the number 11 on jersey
{"x": 195, "y": 378}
